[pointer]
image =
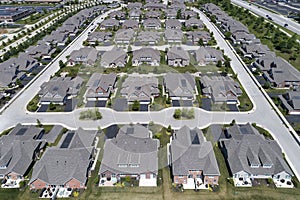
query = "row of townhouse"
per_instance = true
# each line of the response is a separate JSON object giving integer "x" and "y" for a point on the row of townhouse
{"x": 117, "y": 57}
{"x": 141, "y": 88}
{"x": 151, "y": 23}
{"x": 149, "y": 37}
{"x": 276, "y": 70}
{"x": 132, "y": 152}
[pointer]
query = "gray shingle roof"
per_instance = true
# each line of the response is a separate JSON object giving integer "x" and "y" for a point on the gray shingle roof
{"x": 173, "y": 24}
{"x": 190, "y": 151}
{"x": 178, "y": 53}
{"x": 173, "y": 35}
{"x": 129, "y": 149}
{"x": 114, "y": 58}
{"x": 100, "y": 85}
{"x": 180, "y": 85}
{"x": 248, "y": 147}
{"x": 148, "y": 36}
{"x": 87, "y": 55}
{"x": 124, "y": 35}
{"x": 140, "y": 88}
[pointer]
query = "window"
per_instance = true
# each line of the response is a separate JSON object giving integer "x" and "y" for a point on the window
{"x": 215, "y": 180}
{"x": 134, "y": 165}
{"x": 180, "y": 176}
{"x": 287, "y": 176}
{"x": 122, "y": 165}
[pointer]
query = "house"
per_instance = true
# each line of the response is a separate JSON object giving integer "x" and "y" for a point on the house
{"x": 132, "y": 153}
{"x": 177, "y": 6}
{"x": 178, "y": 57}
{"x": 148, "y": 37}
{"x": 173, "y": 35}
{"x": 291, "y": 102}
{"x": 192, "y": 159}
{"x": 187, "y": 14}
{"x": 116, "y": 57}
{"x": 8, "y": 76}
{"x": 100, "y": 86}
{"x": 254, "y": 50}
{"x": 140, "y": 88}
{"x": 154, "y": 6}
{"x": 56, "y": 38}
{"x": 118, "y": 15}
{"x": 23, "y": 63}
{"x": 195, "y": 36}
{"x": 41, "y": 51}
{"x": 130, "y": 24}
{"x": 148, "y": 56}
{"x": 194, "y": 23}
{"x": 171, "y": 13}
{"x": 152, "y": 14}
{"x": 109, "y": 24}
{"x": 68, "y": 165}
{"x": 250, "y": 156}
{"x": 59, "y": 89}
{"x": 206, "y": 55}
{"x": 179, "y": 86}
{"x": 99, "y": 37}
{"x": 134, "y": 6}
{"x": 278, "y": 71}
{"x": 124, "y": 36}
{"x": 18, "y": 151}
{"x": 221, "y": 89}
{"x": 85, "y": 55}
{"x": 152, "y": 23}
{"x": 243, "y": 38}
{"x": 135, "y": 14}
{"x": 173, "y": 24}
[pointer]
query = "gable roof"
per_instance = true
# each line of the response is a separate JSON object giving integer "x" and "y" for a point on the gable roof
{"x": 180, "y": 85}
{"x": 190, "y": 151}
{"x": 100, "y": 85}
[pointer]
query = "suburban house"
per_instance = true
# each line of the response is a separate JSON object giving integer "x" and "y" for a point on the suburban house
{"x": 41, "y": 51}
{"x": 173, "y": 24}
{"x": 118, "y": 15}
{"x": 68, "y": 165}
{"x": 99, "y": 37}
{"x": 148, "y": 37}
{"x": 7, "y": 76}
{"x": 192, "y": 159}
{"x": 148, "y": 56}
{"x": 58, "y": 89}
{"x": 18, "y": 151}
{"x": 124, "y": 36}
{"x": 135, "y": 5}
{"x": 130, "y": 24}
{"x": 278, "y": 71}
{"x": 170, "y": 13}
{"x": 180, "y": 86}
{"x": 250, "y": 156}
{"x": 85, "y": 55}
{"x": 155, "y": 6}
{"x": 195, "y": 36}
{"x": 194, "y": 22}
{"x": 221, "y": 89}
{"x": 173, "y": 35}
{"x": 291, "y": 102}
{"x": 254, "y": 50}
{"x": 152, "y": 14}
{"x": 243, "y": 38}
{"x": 187, "y": 14}
{"x": 135, "y": 14}
{"x": 56, "y": 38}
{"x": 23, "y": 63}
{"x": 206, "y": 55}
{"x": 140, "y": 88}
{"x": 100, "y": 86}
{"x": 109, "y": 24}
{"x": 178, "y": 57}
{"x": 116, "y": 57}
{"x": 132, "y": 153}
{"x": 152, "y": 23}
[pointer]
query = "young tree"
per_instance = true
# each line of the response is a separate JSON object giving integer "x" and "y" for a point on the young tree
{"x": 200, "y": 42}
{"x": 136, "y": 105}
{"x": 177, "y": 114}
{"x": 219, "y": 64}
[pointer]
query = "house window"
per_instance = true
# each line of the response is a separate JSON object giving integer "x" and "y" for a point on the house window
{"x": 215, "y": 180}
{"x": 287, "y": 176}
{"x": 180, "y": 176}
{"x": 122, "y": 165}
{"x": 113, "y": 175}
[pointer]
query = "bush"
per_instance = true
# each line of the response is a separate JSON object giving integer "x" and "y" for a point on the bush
{"x": 136, "y": 106}
{"x": 177, "y": 114}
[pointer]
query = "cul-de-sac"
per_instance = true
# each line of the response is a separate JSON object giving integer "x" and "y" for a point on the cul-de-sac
{"x": 149, "y": 99}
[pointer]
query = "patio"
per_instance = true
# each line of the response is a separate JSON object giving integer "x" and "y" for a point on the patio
{"x": 147, "y": 182}
{"x": 109, "y": 183}
{"x": 49, "y": 192}
{"x": 64, "y": 192}
{"x": 283, "y": 183}
{"x": 240, "y": 182}
{"x": 10, "y": 183}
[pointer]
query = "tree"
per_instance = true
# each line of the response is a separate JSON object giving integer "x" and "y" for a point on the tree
{"x": 52, "y": 106}
{"x": 136, "y": 105}
{"x": 177, "y": 114}
{"x": 38, "y": 122}
{"x": 227, "y": 35}
{"x": 169, "y": 129}
{"x": 61, "y": 64}
{"x": 178, "y": 16}
{"x": 219, "y": 64}
{"x": 200, "y": 42}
